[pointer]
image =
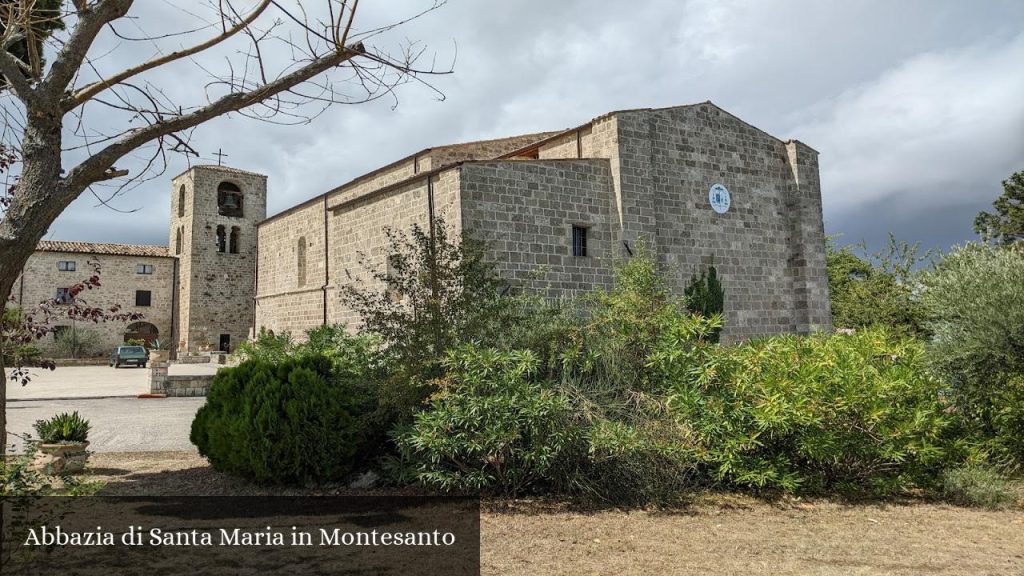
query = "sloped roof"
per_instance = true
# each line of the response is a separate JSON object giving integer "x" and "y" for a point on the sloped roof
{"x": 228, "y": 169}
{"x": 102, "y": 248}
{"x": 454, "y": 153}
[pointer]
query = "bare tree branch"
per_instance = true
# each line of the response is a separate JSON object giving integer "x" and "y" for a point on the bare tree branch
{"x": 11, "y": 71}
{"x": 69, "y": 60}
{"x": 91, "y": 90}
{"x": 95, "y": 167}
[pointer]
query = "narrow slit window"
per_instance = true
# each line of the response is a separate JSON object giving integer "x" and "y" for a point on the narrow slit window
{"x": 300, "y": 261}
{"x": 222, "y": 239}
{"x": 235, "y": 232}
{"x": 579, "y": 241}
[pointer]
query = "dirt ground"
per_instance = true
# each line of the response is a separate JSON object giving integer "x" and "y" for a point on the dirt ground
{"x": 717, "y": 534}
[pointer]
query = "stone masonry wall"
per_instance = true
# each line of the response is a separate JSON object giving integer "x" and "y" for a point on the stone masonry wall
{"x": 525, "y": 211}
{"x": 359, "y": 228}
{"x": 118, "y": 282}
{"x": 669, "y": 160}
{"x": 178, "y": 385}
{"x": 216, "y": 289}
{"x": 285, "y": 301}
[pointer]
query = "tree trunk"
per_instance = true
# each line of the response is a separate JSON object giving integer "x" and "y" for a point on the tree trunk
{"x": 3, "y": 409}
{"x": 39, "y": 198}
{"x": 6, "y": 284}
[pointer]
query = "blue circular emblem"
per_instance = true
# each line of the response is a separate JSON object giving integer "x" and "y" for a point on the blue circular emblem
{"x": 720, "y": 199}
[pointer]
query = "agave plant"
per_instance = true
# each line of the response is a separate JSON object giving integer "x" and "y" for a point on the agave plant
{"x": 63, "y": 429}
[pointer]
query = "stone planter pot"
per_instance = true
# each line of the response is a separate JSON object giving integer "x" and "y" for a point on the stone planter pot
{"x": 61, "y": 458}
{"x": 159, "y": 356}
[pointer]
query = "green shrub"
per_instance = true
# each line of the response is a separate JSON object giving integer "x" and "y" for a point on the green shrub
{"x": 20, "y": 478}
{"x": 812, "y": 414}
{"x": 634, "y": 454}
{"x": 438, "y": 292}
{"x": 296, "y": 421}
{"x": 706, "y": 297}
{"x": 63, "y": 429}
{"x": 77, "y": 342}
{"x": 876, "y": 289}
{"x": 627, "y": 324}
{"x": 490, "y": 427}
{"x": 975, "y": 299}
{"x": 977, "y": 486}
{"x": 266, "y": 347}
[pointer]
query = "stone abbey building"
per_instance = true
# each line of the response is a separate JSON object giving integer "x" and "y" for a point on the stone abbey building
{"x": 696, "y": 184}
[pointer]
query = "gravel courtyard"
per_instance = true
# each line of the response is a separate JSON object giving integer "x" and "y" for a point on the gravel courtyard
{"x": 108, "y": 397}
{"x": 94, "y": 381}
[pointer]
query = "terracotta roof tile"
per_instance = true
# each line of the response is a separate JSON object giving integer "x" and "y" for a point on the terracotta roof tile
{"x": 101, "y": 248}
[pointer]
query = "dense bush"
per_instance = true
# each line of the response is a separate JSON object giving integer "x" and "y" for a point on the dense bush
{"x": 267, "y": 347}
{"x": 975, "y": 300}
{"x": 811, "y": 414}
{"x": 623, "y": 395}
{"x": 706, "y": 297}
{"x": 432, "y": 293}
{"x": 579, "y": 414}
{"x": 77, "y": 342}
{"x": 876, "y": 289}
{"x": 491, "y": 426}
{"x": 294, "y": 421}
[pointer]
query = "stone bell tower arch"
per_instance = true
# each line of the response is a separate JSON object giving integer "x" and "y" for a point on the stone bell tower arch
{"x": 214, "y": 212}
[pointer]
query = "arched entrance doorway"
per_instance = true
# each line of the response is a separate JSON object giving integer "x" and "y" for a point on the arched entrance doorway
{"x": 141, "y": 331}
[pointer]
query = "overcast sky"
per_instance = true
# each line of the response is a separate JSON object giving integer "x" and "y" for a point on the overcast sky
{"x": 917, "y": 107}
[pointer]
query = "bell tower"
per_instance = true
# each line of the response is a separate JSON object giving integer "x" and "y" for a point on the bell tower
{"x": 214, "y": 212}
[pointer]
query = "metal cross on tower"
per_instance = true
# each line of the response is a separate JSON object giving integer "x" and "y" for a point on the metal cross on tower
{"x": 220, "y": 156}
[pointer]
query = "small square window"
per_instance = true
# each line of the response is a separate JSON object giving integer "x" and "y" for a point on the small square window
{"x": 66, "y": 265}
{"x": 64, "y": 296}
{"x": 143, "y": 297}
{"x": 579, "y": 241}
{"x": 144, "y": 269}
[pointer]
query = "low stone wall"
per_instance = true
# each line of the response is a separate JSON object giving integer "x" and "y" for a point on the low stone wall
{"x": 203, "y": 358}
{"x": 160, "y": 382}
{"x": 99, "y": 361}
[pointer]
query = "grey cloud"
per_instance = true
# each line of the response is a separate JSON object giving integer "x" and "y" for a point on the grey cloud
{"x": 916, "y": 101}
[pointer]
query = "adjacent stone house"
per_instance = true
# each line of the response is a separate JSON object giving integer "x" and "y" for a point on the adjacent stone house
{"x": 135, "y": 278}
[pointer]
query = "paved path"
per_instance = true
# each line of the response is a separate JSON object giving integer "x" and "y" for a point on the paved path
{"x": 93, "y": 381}
{"x": 118, "y": 424}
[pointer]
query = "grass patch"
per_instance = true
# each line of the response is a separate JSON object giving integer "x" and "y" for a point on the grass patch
{"x": 979, "y": 487}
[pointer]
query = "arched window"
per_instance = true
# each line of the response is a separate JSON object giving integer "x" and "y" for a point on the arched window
{"x": 222, "y": 239}
{"x": 229, "y": 200}
{"x": 235, "y": 232}
{"x": 300, "y": 259}
{"x": 181, "y": 201}
{"x": 177, "y": 241}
